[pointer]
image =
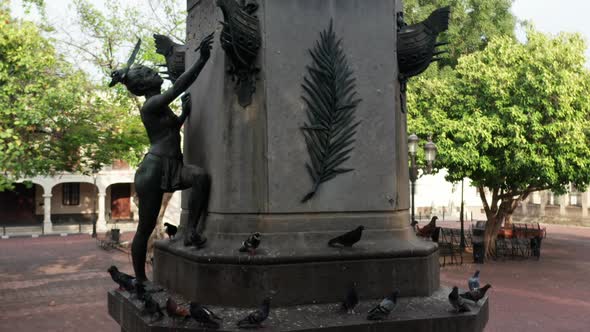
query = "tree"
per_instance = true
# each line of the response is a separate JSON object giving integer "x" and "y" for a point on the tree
{"x": 473, "y": 23}
{"x": 52, "y": 118}
{"x": 514, "y": 118}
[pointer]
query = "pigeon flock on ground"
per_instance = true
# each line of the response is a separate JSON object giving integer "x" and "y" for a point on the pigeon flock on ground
{"x": 209, "y": 320}
{"x": 474, "y": 294}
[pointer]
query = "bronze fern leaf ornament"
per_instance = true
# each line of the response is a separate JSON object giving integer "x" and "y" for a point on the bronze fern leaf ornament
{"x": 330, "y": 99}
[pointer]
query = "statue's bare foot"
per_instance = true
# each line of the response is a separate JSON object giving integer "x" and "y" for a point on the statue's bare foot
{"x": 195, "y": 240}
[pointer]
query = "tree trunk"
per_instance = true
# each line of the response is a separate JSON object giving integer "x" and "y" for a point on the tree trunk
{"x": 508, "y": 220}
{"x": 158, "y": 232}
{"x": 493, "y": 225}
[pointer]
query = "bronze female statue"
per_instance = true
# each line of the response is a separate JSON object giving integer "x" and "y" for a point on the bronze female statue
{"x": 162, "y": 169}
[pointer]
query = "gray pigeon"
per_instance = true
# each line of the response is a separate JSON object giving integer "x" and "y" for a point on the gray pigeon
{"x": 347, "y": 239}
{"x": 204, "y": 316}
{"x": 383, "y": 309}
{"x": 125, "y": 281}
{"x": 255, "y": 318}
{"x": 351, "y": 300}
{"x": 152, "y": 307}
{"x": 473, "y": 282}
{"x": 457, "y": 302}
{"x": 251, "y": 243}
{"x": 476, "y": 294}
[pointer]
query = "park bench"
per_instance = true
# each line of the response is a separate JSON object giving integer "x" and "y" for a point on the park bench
{"x": 521, "y": 240}
{"x": 449, "y": 244}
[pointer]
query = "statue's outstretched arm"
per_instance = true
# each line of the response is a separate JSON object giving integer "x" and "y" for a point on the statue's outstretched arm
{"x": 186, "y": 108}
{"x": 190, "y": 75}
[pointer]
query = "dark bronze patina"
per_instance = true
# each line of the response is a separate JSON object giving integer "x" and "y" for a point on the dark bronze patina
{"x": 174, "y": 55}
{"x": 330, "y": 99}
{"x": 240, "y": 39}
{"x": 162, "y": 169}
{"x": 416, "y": 46}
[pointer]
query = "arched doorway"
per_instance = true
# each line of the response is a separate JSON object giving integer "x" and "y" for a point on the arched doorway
{"x": 120, "y": 207}
{"x": 18, "y": 207}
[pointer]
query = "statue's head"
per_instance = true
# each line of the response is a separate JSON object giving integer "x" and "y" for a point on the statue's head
{"x": 139, "y": 79}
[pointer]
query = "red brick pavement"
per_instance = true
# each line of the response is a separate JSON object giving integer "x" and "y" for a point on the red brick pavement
{"x": 552, "y": 294}
{"x": 60, "y": 284}
{"x": 56, "y": 284}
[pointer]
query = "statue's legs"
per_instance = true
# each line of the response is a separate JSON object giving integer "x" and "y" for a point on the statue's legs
{"x": 200, "y": 183}
{"x": 147, "y": 186}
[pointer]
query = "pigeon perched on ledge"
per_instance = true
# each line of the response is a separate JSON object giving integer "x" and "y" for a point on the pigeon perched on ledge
{"x": 255, "y": 318}
{"x": 473, "y": 282}
{"x": 125, "y": 281}
{"x": 351, "y": 300}
{"x": 251, "y": 243}
{"x": 174, "y": 310}
{"x": 347, "y": 239}
{"x": 152, "y": 307}
{"x": 204, "y": 316}
{"x": 457, "y": 302}
{"x": 171, "y": 230}
{"x": 476, "y": 294}
{"x": 383, "y": 309}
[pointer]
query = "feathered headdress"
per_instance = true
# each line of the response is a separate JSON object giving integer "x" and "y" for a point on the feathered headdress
{"x": 120, "y": 75}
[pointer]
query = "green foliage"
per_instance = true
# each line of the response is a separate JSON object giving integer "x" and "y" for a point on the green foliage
{"x": 52, "y": 118}
{"x": 514, "y": 117}
{"x": 473, "y": 22}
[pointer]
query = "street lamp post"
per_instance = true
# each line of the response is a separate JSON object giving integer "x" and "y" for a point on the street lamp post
{"x": 412, "y": 148}
{"x": 430, "y": 154}
{"x": 462, "y": 218}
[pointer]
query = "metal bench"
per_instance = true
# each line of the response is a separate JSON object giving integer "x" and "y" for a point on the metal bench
{"x": 449, "y": 243}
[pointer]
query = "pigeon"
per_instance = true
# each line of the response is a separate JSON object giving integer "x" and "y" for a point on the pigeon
{"x": 477, "y": 294}
{"x": 170, "y": 230}
{"x": 348, "y": 239}
{"x": 151, "y": 306}
{"x": 125, "y": 281}
{"x": 473, "y": 282}
{"x": 204, "y": 316}
{"x": 383, "y": 309}
{"x": 251, "y": 243}
{"x": 351, "y": 300}
{"x": 457, "y": 302}
{"x": 174, "y": 310}
{"x": 255, "y": 318}
{"x": 427, "y": 230}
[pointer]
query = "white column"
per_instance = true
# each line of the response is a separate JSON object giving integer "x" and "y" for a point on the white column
{"x": 563, "y": 202}
{"x": 584, "y": 198}
{"x": 47, "y": 225}
{"x": 543, "y": 195}
{"x": 101, "y": 223}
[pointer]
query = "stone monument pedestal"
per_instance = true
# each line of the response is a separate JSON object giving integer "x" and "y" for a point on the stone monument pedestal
{"x": 260, "y": 164}
{"x": 416, "y": 314}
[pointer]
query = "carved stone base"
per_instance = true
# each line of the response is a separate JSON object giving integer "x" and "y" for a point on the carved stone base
{"x": 303, "y": 272}
{"x": 417, "y": 314}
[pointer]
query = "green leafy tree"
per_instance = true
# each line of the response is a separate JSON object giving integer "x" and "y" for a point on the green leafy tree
{"x": 52, "y": 118}
{"x": 514, "y": 118}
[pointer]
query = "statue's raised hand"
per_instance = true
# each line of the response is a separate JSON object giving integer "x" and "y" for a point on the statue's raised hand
{"x": 205, "y": 46}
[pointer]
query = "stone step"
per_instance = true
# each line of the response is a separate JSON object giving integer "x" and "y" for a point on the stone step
{"x": 423, "y": 314}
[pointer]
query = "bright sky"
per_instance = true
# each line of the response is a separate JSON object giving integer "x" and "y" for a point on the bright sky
{"x": 548, "y": 16}
{"x": 556, "y": 16}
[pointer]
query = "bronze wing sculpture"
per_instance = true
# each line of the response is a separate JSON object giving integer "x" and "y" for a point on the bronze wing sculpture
{"x": 416, "y": 45}
{"x": 240, "y": 39}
